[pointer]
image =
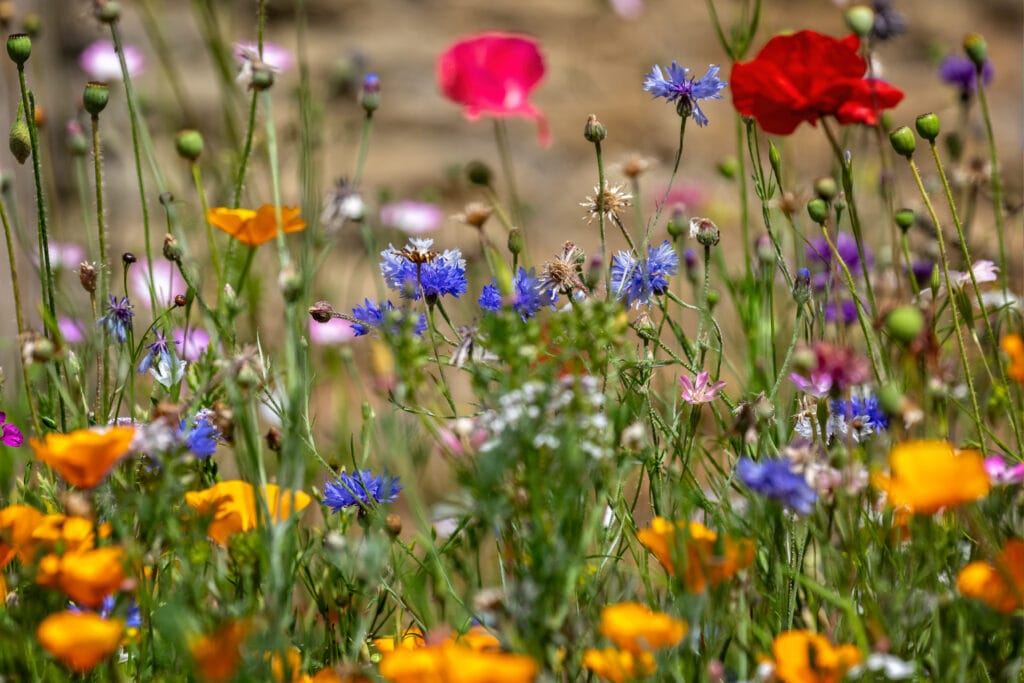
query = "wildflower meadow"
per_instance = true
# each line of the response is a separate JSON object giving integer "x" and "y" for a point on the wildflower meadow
{"x": 296, "y": 389}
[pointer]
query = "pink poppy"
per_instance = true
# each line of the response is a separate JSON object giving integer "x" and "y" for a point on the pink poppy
{"x": 493, "y": 74}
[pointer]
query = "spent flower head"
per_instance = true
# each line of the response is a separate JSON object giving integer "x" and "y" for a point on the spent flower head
{"x": 676, "y": 85}
{"x": 616, "y": 199}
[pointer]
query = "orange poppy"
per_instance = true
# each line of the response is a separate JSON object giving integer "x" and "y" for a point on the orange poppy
{"x": 234, "y": 509}
{"x": 619, "y": 666}
{"x": 703, "y": 564}
{"x": 17, "y": 522}
{"x": 637, "y": 628}
{"x": 87, "y": 577}
{"x": 84, "y": 457}
{"x": 217, "y": 655}
{"x": 1013, "y": 346}
{"x": 929, "y": 475}
{"x": 449, "y": 662}
{"x": 999, "y": 585}
{"x": 80, "y": 640}
{"x": 805, "y": 657}
{"x": 255, "y": 227}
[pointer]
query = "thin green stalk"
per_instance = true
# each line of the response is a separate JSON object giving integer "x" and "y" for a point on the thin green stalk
{"x": 789, "y": 354}
{"x": 82, "y": 186}
{"x": 364, "y": 148}
{"x": 671, "y": 178}
{"x": 505, "y": 155}
{"x": 744, "y": 209}
{"x": 961, "y": 346}
{"x": 605, "y": 265}
{"x": 101, "y": 223}
{"x": 246, "y": 151}
{"x": 197, "y": 179}
{"x": 996, "y": 178}
{"x": 19, "y": 317}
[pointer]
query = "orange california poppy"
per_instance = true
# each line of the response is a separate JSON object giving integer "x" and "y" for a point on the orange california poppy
{"x": 234, "y": 508}
{"x": 17, "y": 522}
{"x": 619, "y": 666}
{"x": 80, "y": 640}
{"x": 255, "y": 227}
{"x": 450, "y": 662}
{"x": 1013, "y": 346}
{"x": 84, "y": 457}
{"x": 217, "y": 655}
{"x": 805, "y": 657}
{"x": 706, "y": 562}
{"x": 87, "y": 576}
{"x": 637, "y": 628}
{"x": 929, "y": 475}
{"x": 999, "y": 585}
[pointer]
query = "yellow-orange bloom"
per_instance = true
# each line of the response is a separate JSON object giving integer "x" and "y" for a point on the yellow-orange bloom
{"x": 17, "y": 522}
{"x": 999, "y": 585}
{"x": 255, "y": 227}
{"x": 234, "y": 507}
{"x": 929, "y": 475}
{"x": 294, "y": 666}
{"x": 452, "y": 663}
{"x": 217, "y": 655}
{"x": 80, "y": 640}
{"x": 86, "y": 576}
{"x": 702, "y": 565}
{"x": 636, "y": 628}
{"x": 805, "y": 657}
{"x": 410, "y": 640}
{"x": 1013, "y": 346}
{"x": 619, "y": 666}
{"x": 84, "y": 457}
{"x": 476, "y": 638}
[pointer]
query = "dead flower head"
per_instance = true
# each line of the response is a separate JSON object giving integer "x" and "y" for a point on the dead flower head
{"x": 616, "y": 199}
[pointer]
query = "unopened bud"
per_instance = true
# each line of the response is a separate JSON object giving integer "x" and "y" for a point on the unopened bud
{"x": 594, "y": 130}
{"x": 817, "y": 209}
{"x": 77, "y": 143}
{"x": 262, "y": 79}
{"x": 321, "y": 311}
{"x": 87, "y": 275}
{"x": 32, "y": 24}
{"x": 128, "y": 258}
{"x": 705, "y": 230}
{"x": 904, "y": 219}
{"x": 826, "y": 188}
{"x": 927, "y": 126}
{"x": 860, "y": 19}
{"x": 905, "y": 323}
{"x": 369, "y": 96}
{"x": 393, "y": 523}
{"x": 728, "y": 168}
{"x": 290, "y": 283}
{"x": 274, "y": 439}
{"x": 515, "y": 241}
{"x": 478, "y": 173}
{"x": 180, "y": 300}
{"x": 108, "y": 11}
{"x": 189, "y": 144}
{"x": 172, "y": 251}
{"x": 690, "y": 265}
{"x": 20, "y": 138}
{"x": 975, "y": 47}
{"x": 677, "y": 223}
{"x": 802, "y": 286}
{"x": 903, "y": 141}
{"x": 775, "y": 159}
{"x": 95, "y": 97}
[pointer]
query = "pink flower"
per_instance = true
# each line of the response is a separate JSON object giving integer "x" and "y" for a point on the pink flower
{"x": 193, "y": 345}
{"x": 274, "y": 56}
{"x": 493, "y": 74}
{"x": 66, "y": 255}
{"x": 464, "y": 437}
{"x": 334, "y": 331}
{"x": 1000, "y": 473}
{"x": 11, "y": 435}
{"x": 700, "y": 390}
{"x": 412, "y": 217}
{"x": 70, "y": 329}
{"x": 818, "y": 385}
{"x": 100, "y": 61}
{"x": 167, "y": 282}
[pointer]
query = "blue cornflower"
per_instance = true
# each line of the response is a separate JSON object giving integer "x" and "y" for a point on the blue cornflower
{"x": 864, "y": 415}
{"x": 202, "y": 437}
{"x": 370, "y": 315}
{"x": 159, "y": 350}
{"x": 776, "y": 479}
{"x": 118, "y": 318}
{"x": 636, "y": 281}
{"x": 416, "y": 267}
{"x": 361, "y": 490}
{"x": 133, "y": 617}
{"x": 675, "y": 86}
{"x": 529, "y": 294}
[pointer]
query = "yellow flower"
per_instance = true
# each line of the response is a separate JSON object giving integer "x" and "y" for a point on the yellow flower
{"x": 80, "y": 640}
{"x": 294, "y": 665}
{"x": 17, "y": 522}
{"x": 410, "y": 640}
{"x": 703, "y": 566}
{"x": 84, "y": 457}
{"x": 1013, "y": 346}
{"x": 85, "y": 576}
{"x": 805, "y": 657}
{"x": 452, "y": 663}
{"x": 255, "y": 227}
{"x": 637, "y": 629}
{"x": 930, "y": 475}
{"x": 234, "y": 508}
{"x": 619, "y": 666}
{"x": 989, "y": 582}
{"x": 217, "y": 655}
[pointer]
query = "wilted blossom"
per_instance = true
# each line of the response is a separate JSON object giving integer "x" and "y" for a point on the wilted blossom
{"x": 412, "y": 217}
{"x": 776, "y": 479}
{"x": 856, "y": 418}
{"x": 1003, "y": 473}
{"x": 701, "y": 389}
{"x": 101, "y": 62}
{"x": 361, "y": 490}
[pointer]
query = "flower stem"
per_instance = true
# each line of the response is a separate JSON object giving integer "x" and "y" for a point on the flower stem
{"x": 505, "y": 155}
{"x": 789, "y": 354}
{"x": 197, "y": 179}
{"x": 101, "y": 223}
{"x": 605, "y": 265}
{"x": 671, "y": 178}
{"x": 996, "y": 178}
{"x": 364, "y": 148}
{"x": 19, "y": 317}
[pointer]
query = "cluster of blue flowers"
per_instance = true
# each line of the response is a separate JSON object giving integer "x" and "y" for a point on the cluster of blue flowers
{"x": 777, "y": 480}
{"x": 634, "y": 281}
{"x": 202, "y": 436}
{"x": 427, "y": 272}
{"x": 373, "y": 316}
{"x": 360, "y": 489}
{"x": 528, "y": 295}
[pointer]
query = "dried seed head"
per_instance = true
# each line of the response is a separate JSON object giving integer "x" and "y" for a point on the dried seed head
{"x": 475, "y": 214}
{"x": 87, "y": 275}
{"x": 615, "y": 201}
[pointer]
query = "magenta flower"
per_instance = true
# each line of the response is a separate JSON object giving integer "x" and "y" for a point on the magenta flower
{"x": 412, "y": 217}
{"x": 193, "y": 344}
{"x": 1001, "y": 474}
{"x": 167, "y": 282}
{"x": 71, "y": 330}
{"x": 101, "y": 62}
{"x": 334, "y": 331}
{"x": 67, "y": 255}
{"x": 818, "y": 385}
{"x": 11, "y": 435}
{"x": 700, "y": 390}
{"x": 276, "y": 57}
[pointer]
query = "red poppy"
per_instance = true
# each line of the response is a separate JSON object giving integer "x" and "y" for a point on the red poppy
{"x": 804, "y": 76}
{"x": 493, "y": 74}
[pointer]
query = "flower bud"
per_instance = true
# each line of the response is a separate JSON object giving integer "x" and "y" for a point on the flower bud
{"x": 676, "y": 223}
{"x": 369, "y": 96}
{"x": 274, "y": 439}
{"x": 290, "y": 283}
{"x": 32, "y": 24}
{"x": 974, "y": 45}
{"x": 817, "y": 209}
{"x": 804, "y": 360}
{"x": 262, "y": 79}
{"x": 903, "y": 141}
{"x": 515, "y": 241}
{"x": 927, "y": 126}
{"x": 890, "y": 399}
{"x": 87, "y": 275}
{"x": 180, "y": 300}
{"x": 172, "y": 251}
{"x": 764, "y": 250}
{"x": 690, "y": 265}
{"x": 705, "y": 230}
{"x": 954, "y": 145}
{"x": 728, "y": 168}
{"x": 645, "y": 327}
{"x": 321, "y": 311}
{"x": 108, "y": 11}
{"x": 684, "y": 107}
{"x": 189, "y": 144}
{"x": 775, "y": 159}
{"x": 594, "y": 131}
{"x": 905, "y": 219}
{"x": 802, "y": 286}
{"x": 479, "y": 173}
{"x": 905, "y": 323}
{"x": 19, "y": 48}
{"x": 393, "y": 523}
{"x": 95, "y": 97}
{"x": 714, "y": 296}
{"x": 128, "y": 258}
{"x": 76, "y": 141}
{"x": 20, "y": 139}
{"x": 860, "y": 19}
{"x": 42, "y": 350}
{"x": 826, "y": 188}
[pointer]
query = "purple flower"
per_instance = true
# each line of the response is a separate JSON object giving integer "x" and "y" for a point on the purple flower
{"x": 101, "y": 62}
{"x": 819, "y": 256}
{"x": 776, "y": 479}
{"x": 416, "y": 268}
{"x": 193, "y": 344}
{"x": 334, "y": 331}
{"x": 202, "y": 436}
{"x": 71, "y": 330}
{"x": 412, "y": 217}
{"x": 922, "y": 271}
{"x": 133, "y": 617}
{"x": 635, "y": 281}
{"x": 528, "y": 295}
{"x": 960, "y": 71}
{"x": 1001, "y": 473}
{"x": 159, "y": 350}
{"x": 361, "y": 490}
{"x": 67, "y": 255}
{"x": 676, "y": 85}
{"x": 118, "y": 318}
{"x": 167, "y": 282}
{"x": 845, "y": 312}
{"x": 372, "y": 316}
{"x": 11, "y": 435}
{"x": 888, "y": 22}
{"x": 818, "y": 385}
{"x": 700, "y": 390}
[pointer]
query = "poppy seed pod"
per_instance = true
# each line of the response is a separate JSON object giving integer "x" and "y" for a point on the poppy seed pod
{"x": 860, "y": 19}
{"x": 905, "y": 323}
{"x": 927, "y": 126}
{"x": 189, "y": 144}
{"x": 95, "y": 97}
{"x": 19, "y": 48}
{"x": 974, "y": 45}
{"x": 905, "y": 219}
{"x": 108, "y": 11}
{"x": 903, "y": 141}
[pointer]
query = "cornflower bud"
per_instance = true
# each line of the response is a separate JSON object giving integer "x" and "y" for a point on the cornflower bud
{"x": 369, "y": 96}
{"x": 76, "y": 141}
{"x": 817, "y": 209}
{"x": 20, "y": 139}
{"x": 676, "y": 223}
{"x": 594, "y": 130}
{"x": 905, "y": 323}
{"x": 826, "y": 188}
{"x": 172, "y": 251}
{"x": 802, "y": 286}
{"x": 107, "y": 11}
{"x": 321, "y": 311}
{"x": 32, "y": 24}
{"x": 479, "y": 173}
{"x": 515, "y": 241}
{"x": 705, "y": 230}
{"x": 128, "y": 258}
{"x": 974, "y": 45}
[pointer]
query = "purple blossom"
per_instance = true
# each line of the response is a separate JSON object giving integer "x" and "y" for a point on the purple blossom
{"x": 334, "y": 331}
{"x": 167, "y": 282}
{"x": 276, "y": 57}
{"x": 10, "y": 436}
{"x": 70, "y": 330}
{"x": 845, "y": 312}
{"x": 193, "y": 343}
{"x": 118, "y": 318}
{"x": 361, "y": 490}
{"x": 635, "y": 281}
{"x": 777, "y": 480}
{"x": 1002, "y": 473}
{"x": 818, "y": 385}
{"x": 412, "y": 217}
{"x": 159, "y": 350}
{"x": 960, "y": 71}
{"x": 819, "y": 257}
{"x": 701, "y": 389}
{"x": 888, "y": 22}
{"x": 676, "y": 85}
{"x": 528, "y": 295}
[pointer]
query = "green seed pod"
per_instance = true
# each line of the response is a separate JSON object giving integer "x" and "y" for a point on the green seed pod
{"x": 109, "y": 11}
{"x": 19, "y": 48}
{"x": 479, "y": 173}
{"x": 976, "y": 49}
{"x": 860, "y": 19}
{"x": 905, "y": 323}
{"x": 903, "y": 141}
{"x": 826, "y": 188}
{"x": 775, "y": 159}
{"x": 927, "y": 126}
{"x": 817, "y": 209}
{"x": 905, "y": 219}
{"x": 728, "y": 168}
{"x": 515, "y": 241}
{"x": 189, "y": 144}
{"x": 95, "y": 97}
{"x": 20, "y": 138}
{"x": 262, "y": 79}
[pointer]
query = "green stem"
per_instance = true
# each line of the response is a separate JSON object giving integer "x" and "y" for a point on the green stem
{"x": 19, "y": 317}
{"x": 605, "y": 264}
{"x": 246, "y": 151}
{"x": 101, "y": 223}
{"x": 789, "y": 354}
{"x": 364, "y": 148}
{"x": 996, "y": 178}
{"x": 197, "y": 179}
{"x": 505, "y": 155}
{"x": 671, "y": 178}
